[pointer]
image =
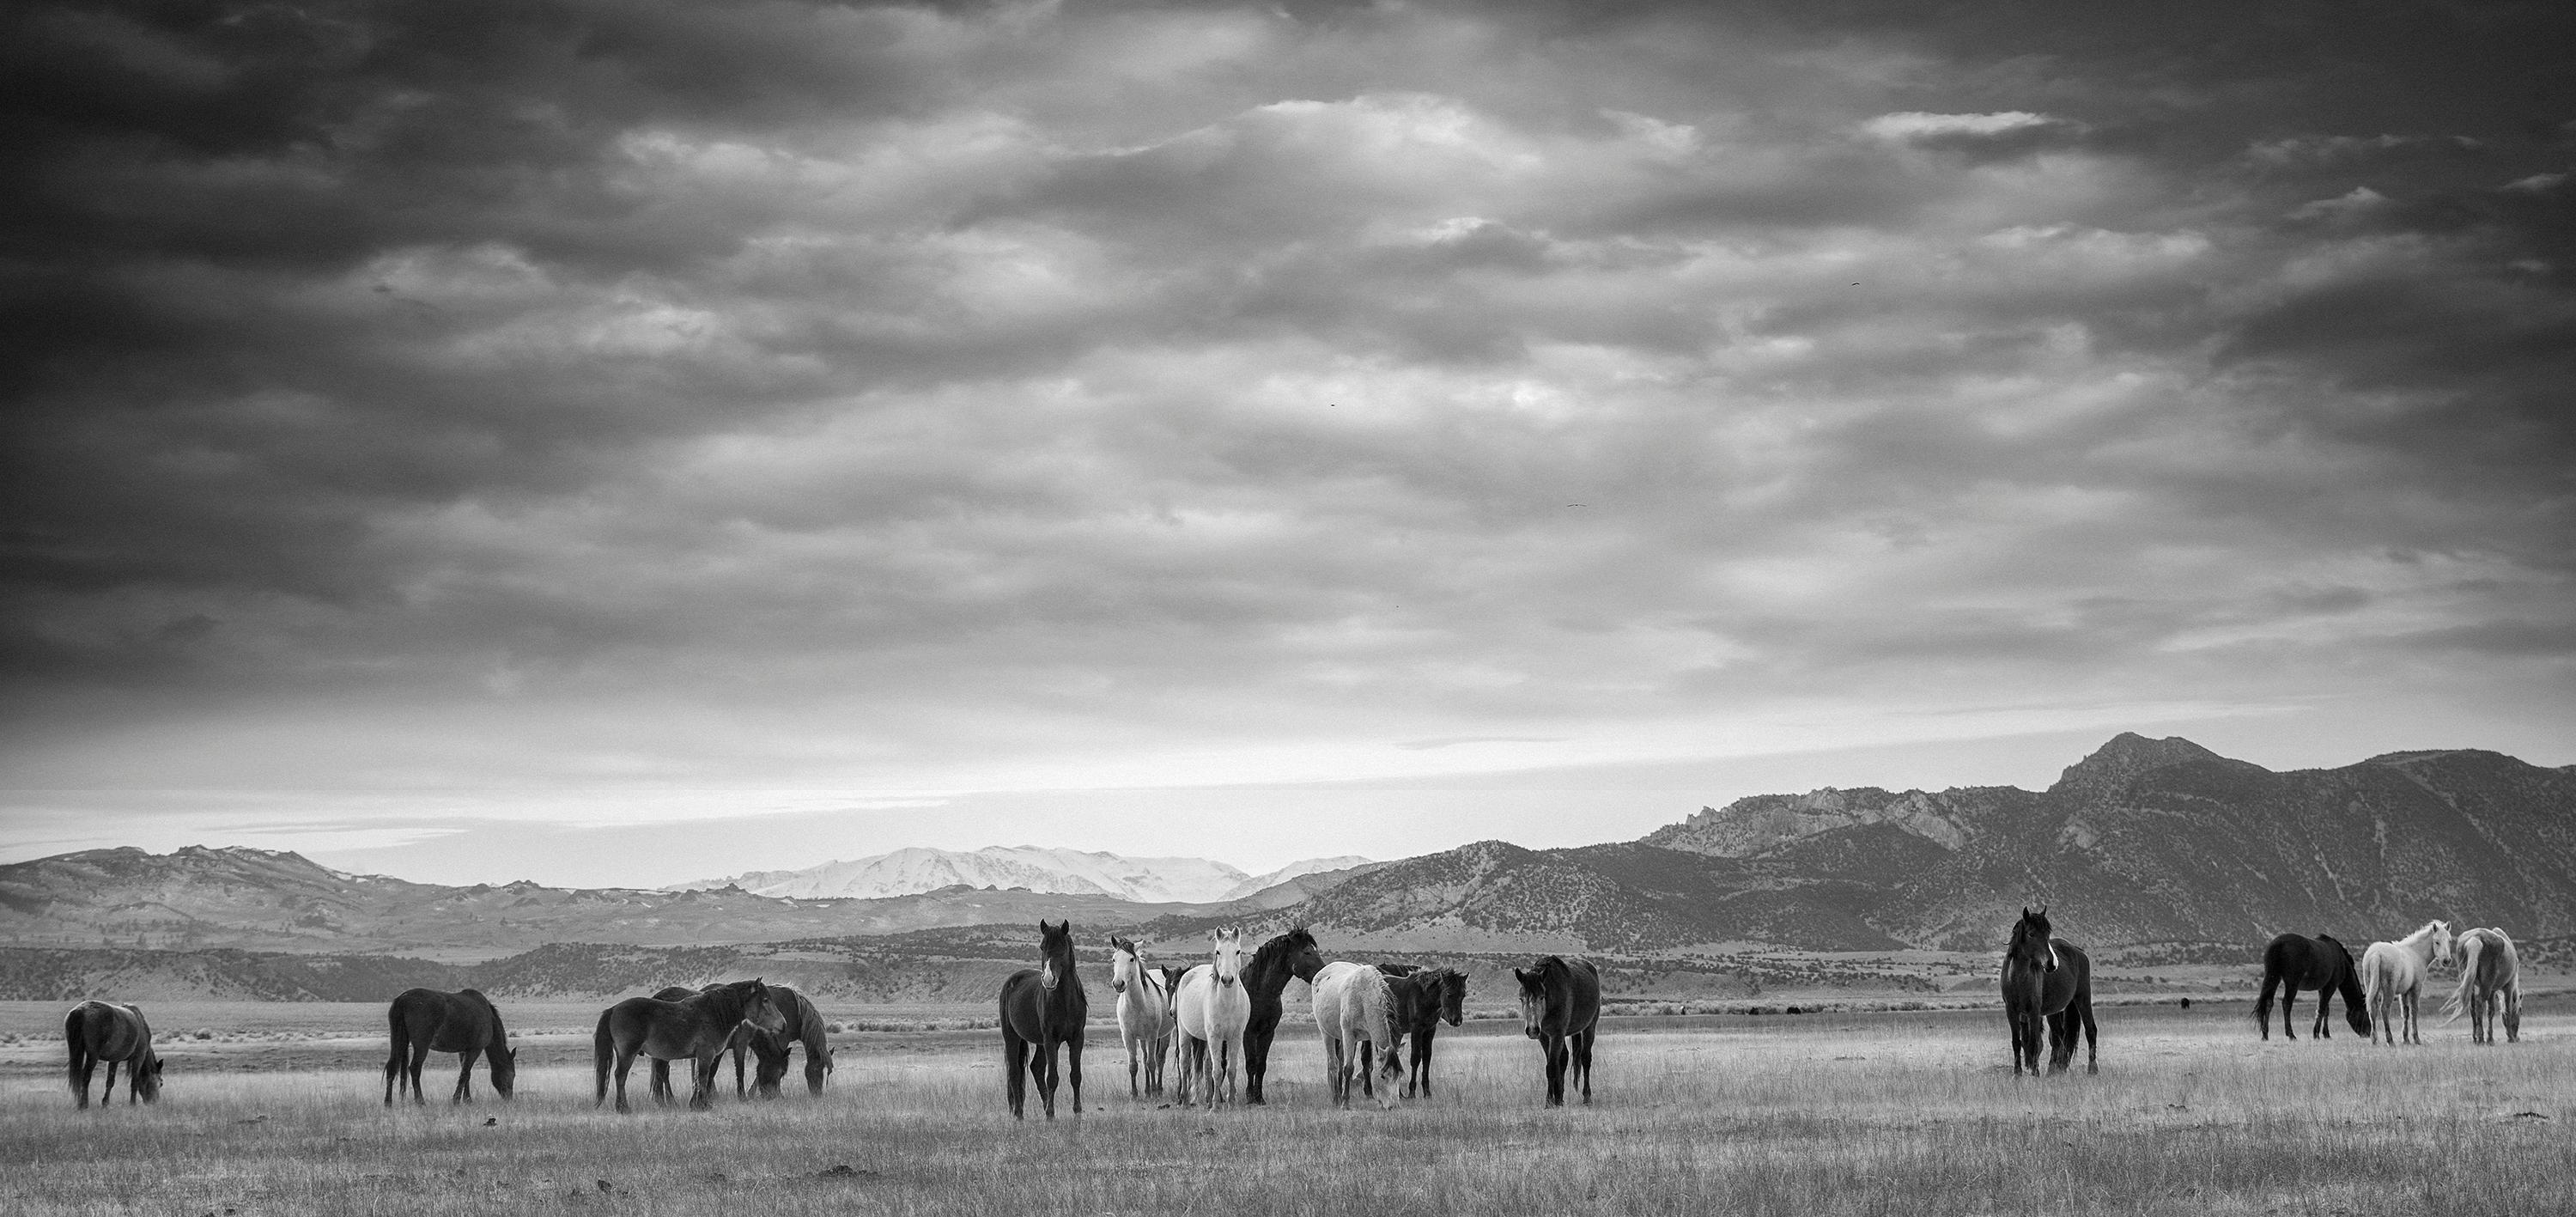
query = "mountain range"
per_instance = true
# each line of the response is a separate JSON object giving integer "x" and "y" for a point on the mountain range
{"x": 2143, "y": 842}
{"x": 907, "y": 872}
{"x": 2145, "y": 845}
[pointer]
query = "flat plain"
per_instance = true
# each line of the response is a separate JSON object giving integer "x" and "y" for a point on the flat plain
{"x": 279, "y": 1111}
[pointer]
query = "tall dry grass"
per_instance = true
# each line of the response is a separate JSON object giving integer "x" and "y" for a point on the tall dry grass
{"x": 1818, "y": 1116}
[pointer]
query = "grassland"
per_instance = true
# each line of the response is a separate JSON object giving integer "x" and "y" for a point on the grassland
{"x": 1899, "y": 1113}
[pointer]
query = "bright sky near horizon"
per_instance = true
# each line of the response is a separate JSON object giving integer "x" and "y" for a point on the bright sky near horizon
{"x": 622, "y": 442}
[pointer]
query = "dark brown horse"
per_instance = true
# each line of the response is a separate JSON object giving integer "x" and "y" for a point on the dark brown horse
{"x": 424, "y": 1021}
{"x": 805, "y": 1026}
{"x": 105, "y": 1031}
{"x": 1561, "y": 1009}
{"x": 2047, "y": 981}
{"x": 2320, "y": 964}
{"x": 1426, "y": 999}
{"x": 1043, "y": 1007}
{"x": 694, "y": 1028}
{"x": 1265, "y": 977}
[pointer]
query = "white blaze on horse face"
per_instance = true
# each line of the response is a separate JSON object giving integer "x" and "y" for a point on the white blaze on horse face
{"x": 2052, "y": 957}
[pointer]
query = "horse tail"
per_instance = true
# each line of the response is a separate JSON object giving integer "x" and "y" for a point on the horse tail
{"x": 2470, "y": 946}
{"x": 394, "y": 1057}
{"x": 603, "y": 1049}
{"x": 2262, "y": 1011}
{"x": 76, "y": 1034}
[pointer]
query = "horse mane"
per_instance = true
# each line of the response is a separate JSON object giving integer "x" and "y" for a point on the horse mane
{"x": 1281, "y": 945}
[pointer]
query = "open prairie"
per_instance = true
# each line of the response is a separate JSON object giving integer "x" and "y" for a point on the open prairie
{"x": 1897, "y": 1113}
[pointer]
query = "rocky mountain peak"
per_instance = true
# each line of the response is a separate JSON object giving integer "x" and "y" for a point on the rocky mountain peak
{"x": 2128, "y": 755}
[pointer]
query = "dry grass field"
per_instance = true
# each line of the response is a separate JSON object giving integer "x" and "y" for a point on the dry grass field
{"x": 1831, "y": 1114}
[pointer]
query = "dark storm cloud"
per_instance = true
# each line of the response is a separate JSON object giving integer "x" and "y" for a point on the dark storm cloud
{"x": 903, "y": 395}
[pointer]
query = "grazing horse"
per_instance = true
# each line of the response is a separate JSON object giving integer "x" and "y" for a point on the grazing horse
{"x": 1438, "y": 995}
{"x": 106, "y": 1031}
{"x": 1354, "y": 1007}
{"x": 424, "y": 1021}
{"x": 1561, "y": 1009}
{"x": 1043, "y": 1007}
{"x": 2490, "y": 976}
{"x": 2392, "y": 975}
{"x": 805, "y": 1026}
{"x": 1144, "y": 1015}
{"x": 2049, "y": 981}
{"x": 1292, "y": 954}
{"x": 694, "y": 1028}
{"x": 1214, "y": 1008}
{"x": 2296, "y": 961}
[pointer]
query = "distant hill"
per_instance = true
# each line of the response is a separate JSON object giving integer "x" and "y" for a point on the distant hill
{"x": 906, "y": 872}
{"x": 2144, "y": 841}
{"x": 252, "y": 899}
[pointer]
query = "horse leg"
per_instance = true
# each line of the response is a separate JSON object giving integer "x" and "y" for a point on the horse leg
{"x": 107, "y": 1092}
{"x": 2092, "y": 1040}
{"x": 625, "y": 1064}
{"x": 1583, "y": 1063}
{"x": 702, "y": 1079}
{"x": 465, "y": 1076}
{"x": 1256, "y": 1060}
{"x": 1073, "y": 1068}
{"x": 1042, "y": 1071}
{"x": 2289, "y": 1011}
{"x": 1554, "y": 1047}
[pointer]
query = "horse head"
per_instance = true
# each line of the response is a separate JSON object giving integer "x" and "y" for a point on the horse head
{"x": 1533, "y": 998}
{"x": 2030, "y": 941}
{"x": 505, "y": 1069}
{"x": 1453, "y": 997}
{"x": 2442, "y": 942}
{"x": 1303, "y": 959}
{"x": 1055, "y": 953}
{"x": 760, "y": 1009}
{"x": 147, "y": 1080}
{"x": 1125, "y": 963}
{"x": 1227, "y": 954}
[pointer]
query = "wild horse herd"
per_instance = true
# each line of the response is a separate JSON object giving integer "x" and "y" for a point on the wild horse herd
{"x": 1203, "y": 1034}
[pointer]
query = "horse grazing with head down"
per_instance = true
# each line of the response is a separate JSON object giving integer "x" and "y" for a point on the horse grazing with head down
{"x": 804, "y": 1025}
{"x": 2490, "y": 980}
{"x": 1144, "y": 1015}
{"x": 1439, "y": 995}
{"x": 423, "y": 1021}
{"x": 1265, "y": 978}
{"x": 2047, "y": 981}
{"x": 1043, "y": 1007}
{"x": 99, "y": 1031}
{"x": 1355, "y": 1010}
{"x": 1212, "y": 1011}
{"x": 2320, "y": 964}
{"x": 694, "y": 1028}
{"x": 1561, "y": 1008}
{"x": 2392, "y": 976}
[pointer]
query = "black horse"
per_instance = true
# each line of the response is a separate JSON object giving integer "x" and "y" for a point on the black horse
{"x": 694, "y": 1028}
{"x": 2296, "y": 961}
{"x": 98, "y": 1031}
{"x": 1265, "y": 977}
{"x": 424, "y": 1021}
{"x": 1042, "y": 1007}
{"x": 2047, "y": 981}
{"x": 1561, "y": 1009}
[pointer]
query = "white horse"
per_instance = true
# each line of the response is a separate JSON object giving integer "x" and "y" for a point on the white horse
{"x": 1144, "y": 1016}
{"x": 2490, "y": 969}
{"x": 1353, "y": 1006}
{"x": 1213, "y": 1010}
{"x": 2392, "y": 976}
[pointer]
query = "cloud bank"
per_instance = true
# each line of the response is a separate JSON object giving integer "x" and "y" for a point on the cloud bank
{"x": 537, "y": 405}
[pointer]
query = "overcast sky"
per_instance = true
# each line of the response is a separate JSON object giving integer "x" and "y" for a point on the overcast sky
{"x": 623, "y": 442}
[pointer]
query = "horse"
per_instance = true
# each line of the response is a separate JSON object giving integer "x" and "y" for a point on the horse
{"x": 2490, "y": 976}
{"x": 1438, "y": 995}
{"x": 805, "y": 1026}
{"x": 1561, "y": 1009}
{"x": 1042, "y": 1007}
{"x": 2048, "y": 980}
{"x": 1353, "y": 1007}
{"x": 2294, "y": 962}
{"x": 423, "y": 1021}
{"x": 1264, "y": 979}
{"x": 695, "y": 1028}
{"x": 1144, "y": 1015}
{"x": 2392, "y": 975}
{"x": 99, "y": 1031}
{"x": 1215, "y": 1006}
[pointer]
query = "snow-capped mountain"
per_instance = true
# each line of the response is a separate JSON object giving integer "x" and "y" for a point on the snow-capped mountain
{"x": 907, "y": 872}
